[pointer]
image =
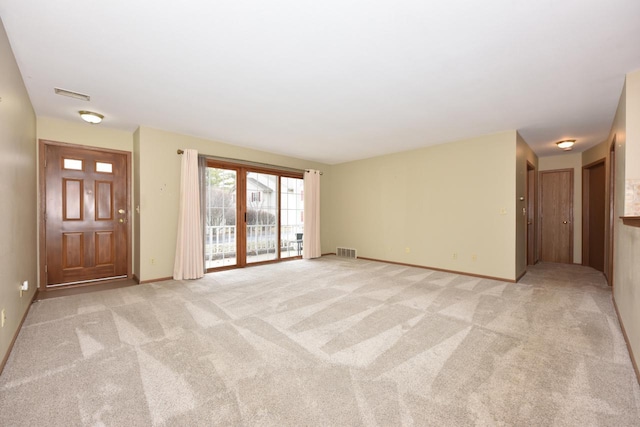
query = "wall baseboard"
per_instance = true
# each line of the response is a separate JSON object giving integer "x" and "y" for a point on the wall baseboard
{"x": 161, "y": 279}
{"x": 426, "y": 267}
{"x": 626, "y": 340}
{"x": 15, "y": 336}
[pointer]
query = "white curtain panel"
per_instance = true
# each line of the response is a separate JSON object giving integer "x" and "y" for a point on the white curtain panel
{"x": 311, "y": 246}
{"x": 189, "y": 262}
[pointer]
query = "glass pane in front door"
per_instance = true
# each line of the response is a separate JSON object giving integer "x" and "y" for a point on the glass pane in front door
{"x": 262, "y": 217}
{"x": 220, "y": 226}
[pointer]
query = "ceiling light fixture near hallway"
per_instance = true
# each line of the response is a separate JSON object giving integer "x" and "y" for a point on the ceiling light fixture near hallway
{"x": 566, "y": 144}
{"x": 91, "y": 117}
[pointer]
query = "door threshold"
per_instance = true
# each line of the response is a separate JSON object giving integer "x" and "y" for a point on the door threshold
{"x": 84, "y": 288}
{"x": 87, "y": 282}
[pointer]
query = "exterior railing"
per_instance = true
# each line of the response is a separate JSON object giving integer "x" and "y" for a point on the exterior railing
{"x": 220, "y": 241}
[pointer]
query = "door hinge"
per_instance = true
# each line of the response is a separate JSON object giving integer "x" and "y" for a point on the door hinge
{"x": 46, "y": 268}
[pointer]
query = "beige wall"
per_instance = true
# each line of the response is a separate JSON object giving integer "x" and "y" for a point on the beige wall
{"x": 524, "y": 155}
{"x": 632, "y": 169}
{"x": 593, "y": 154}
{"x": 18, "y": 220}
{"x": 79, "y": 132}
{"x": 626, "y": 276}
{"x": 570, "y": 160}
{"x": 423, "y": 206}
{"x": 159, "y": 181}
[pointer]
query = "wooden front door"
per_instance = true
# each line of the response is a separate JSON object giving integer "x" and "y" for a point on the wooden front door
{"x": 556, "y": 216}
{"x": 86, "y": 218}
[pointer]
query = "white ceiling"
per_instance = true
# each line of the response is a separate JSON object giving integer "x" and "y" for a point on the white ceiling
{"x": 333, "y": 80}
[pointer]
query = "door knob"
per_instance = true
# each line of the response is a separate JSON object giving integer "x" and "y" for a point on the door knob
{"x": 564, "y": 222}
{"x": 121, "y": 220}
{"x": 120, "y": 211}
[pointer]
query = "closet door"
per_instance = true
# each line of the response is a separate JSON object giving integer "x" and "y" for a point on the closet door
{"x": 556, "y": 216}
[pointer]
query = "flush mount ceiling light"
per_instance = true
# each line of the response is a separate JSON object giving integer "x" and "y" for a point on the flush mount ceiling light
{"x": 91, "y": 117}
{"x": 566, "y": 144}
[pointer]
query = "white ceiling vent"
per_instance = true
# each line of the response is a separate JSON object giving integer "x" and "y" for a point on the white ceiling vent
{"x": 71, "y": 94}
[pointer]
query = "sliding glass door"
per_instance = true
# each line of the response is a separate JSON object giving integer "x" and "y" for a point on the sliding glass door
{"x": 291, "y": 216}
{"x": 252, "y": 215}
{"x": 220, "y": 234}
{"x": 262, "y": 217}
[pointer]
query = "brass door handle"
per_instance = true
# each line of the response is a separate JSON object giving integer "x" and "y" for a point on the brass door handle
{"x": 564, "y": 222}
{"x": 121, "y": 220}
{"x": 120, "y": 211}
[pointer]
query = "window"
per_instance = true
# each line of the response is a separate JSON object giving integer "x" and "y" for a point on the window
{"x": 72, "y": 164}
{"x": 104, "y": 167}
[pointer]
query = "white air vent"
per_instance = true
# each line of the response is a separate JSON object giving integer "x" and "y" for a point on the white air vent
{"x": 346, "y": 252}
{"x": 71, "y": 94}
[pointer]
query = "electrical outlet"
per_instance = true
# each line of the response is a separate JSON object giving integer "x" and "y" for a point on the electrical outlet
{"x": 407, "y": 250}
{"x": 455, "y": 255}
{"x": 3, "y": 318}
{"x": 474, "y": 257}
{"x": 24, "y": 287}
{"x": 152, "y": 261}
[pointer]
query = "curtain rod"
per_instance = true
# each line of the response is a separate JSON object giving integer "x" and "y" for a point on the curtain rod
{"x": 246, "y": 162}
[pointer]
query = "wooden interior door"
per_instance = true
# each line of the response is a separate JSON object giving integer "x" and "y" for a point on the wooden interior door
{"x": 594, "y": 205}
{"x": 556, "y": 216}
{"x": 85, "y": 214}
{"x": 531, "y": 217}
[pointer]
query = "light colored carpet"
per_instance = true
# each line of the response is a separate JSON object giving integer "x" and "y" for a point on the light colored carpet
{"x": 328, "y": 342}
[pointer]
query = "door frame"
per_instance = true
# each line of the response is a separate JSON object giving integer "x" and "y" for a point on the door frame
{"x": 610, "y": 231}
{"x": 586, "y": 213}
{"x": 571, "y": 210}
{"x": 42, "y": 253}
{"x": 531, "y": 234}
